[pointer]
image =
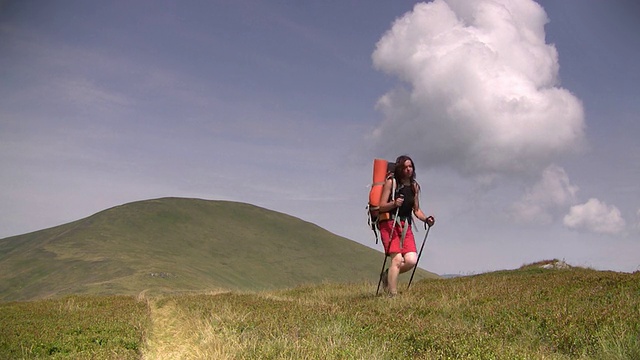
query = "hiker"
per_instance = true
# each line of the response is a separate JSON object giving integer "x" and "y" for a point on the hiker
{"x": 398, "y": 202}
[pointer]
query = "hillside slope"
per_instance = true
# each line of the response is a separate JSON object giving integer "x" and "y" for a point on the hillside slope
{"x": 177, "y": 244}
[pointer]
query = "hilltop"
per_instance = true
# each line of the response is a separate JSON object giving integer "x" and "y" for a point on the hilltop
{"x": 179, "y": 244}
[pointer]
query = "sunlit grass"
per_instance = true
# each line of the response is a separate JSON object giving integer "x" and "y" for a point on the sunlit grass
{"x": 530, "y": 313}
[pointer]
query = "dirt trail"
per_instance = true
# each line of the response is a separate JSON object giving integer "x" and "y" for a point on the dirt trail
{"x": 175, "y": 335}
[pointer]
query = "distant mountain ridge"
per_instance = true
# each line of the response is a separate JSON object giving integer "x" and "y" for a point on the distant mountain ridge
{"x": 180, "y": 244}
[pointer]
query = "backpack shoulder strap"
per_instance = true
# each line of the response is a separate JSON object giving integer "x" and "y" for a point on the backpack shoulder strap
{"x": 394, "y": 185}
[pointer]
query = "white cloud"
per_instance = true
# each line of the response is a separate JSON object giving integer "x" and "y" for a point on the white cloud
{"x": 595, "y": 216}
{"x": 553, "y": 191}
{"x": 482, "y": 93}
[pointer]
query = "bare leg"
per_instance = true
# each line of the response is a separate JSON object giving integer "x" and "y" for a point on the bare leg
{"x": 409, "y": 262}
{"x": 394, "y": 270}
{"x": 399, "y": 265}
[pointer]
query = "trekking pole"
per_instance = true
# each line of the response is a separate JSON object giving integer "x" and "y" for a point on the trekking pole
{"x": 382, "y": 271}
{"x": 385, "y": 250}
{"x": 419, "y": 254}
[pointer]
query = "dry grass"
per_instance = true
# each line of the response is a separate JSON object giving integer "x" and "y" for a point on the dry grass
{"x": 529, "y": 313}
{"x": 526, "y": 314}
{"x": 174, "y": 334}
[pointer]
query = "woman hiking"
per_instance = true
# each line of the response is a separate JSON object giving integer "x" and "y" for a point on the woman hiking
{"x": 399, "y": 201}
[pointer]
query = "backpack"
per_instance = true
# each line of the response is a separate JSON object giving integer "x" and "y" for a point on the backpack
{"x": 382, "y": 171}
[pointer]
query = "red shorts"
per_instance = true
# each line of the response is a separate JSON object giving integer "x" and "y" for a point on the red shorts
{"x": 393, "y": 245}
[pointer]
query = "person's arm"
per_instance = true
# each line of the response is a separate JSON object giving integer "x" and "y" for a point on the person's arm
{"x": 385, "y": 204}
{"x": 418, "y": 212}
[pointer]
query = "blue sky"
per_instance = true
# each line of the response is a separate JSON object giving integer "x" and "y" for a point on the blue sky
{"x": 521, "y": 116}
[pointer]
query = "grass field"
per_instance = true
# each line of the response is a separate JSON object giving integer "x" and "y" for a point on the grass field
{"x": 73, "y": 327}
{"x": 529, "y": 313}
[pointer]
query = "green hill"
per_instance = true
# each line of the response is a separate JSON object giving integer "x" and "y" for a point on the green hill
{"x": 177, "y": 244}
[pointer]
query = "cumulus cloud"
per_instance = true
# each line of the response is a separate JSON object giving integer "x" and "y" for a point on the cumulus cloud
{"x": 595, "y": 216}
{"x": 480, "y": 89}
{"x": 553, "y": 191}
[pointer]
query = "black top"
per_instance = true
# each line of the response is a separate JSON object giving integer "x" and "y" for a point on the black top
{"x": 406, "y": 209}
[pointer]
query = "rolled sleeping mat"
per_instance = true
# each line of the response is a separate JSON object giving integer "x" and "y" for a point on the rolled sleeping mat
{"x": 380, "y": 170}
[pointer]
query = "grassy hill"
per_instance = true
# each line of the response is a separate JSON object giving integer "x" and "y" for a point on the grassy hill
{"x": 529, "y": 313}
{"x": 177, "y": 244}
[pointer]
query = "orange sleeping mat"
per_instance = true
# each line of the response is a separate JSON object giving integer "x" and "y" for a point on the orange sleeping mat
{"x": 380, "y": 170}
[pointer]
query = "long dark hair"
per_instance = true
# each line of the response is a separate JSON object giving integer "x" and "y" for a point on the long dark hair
{"x": 399, "y": 168}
